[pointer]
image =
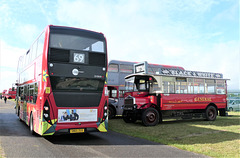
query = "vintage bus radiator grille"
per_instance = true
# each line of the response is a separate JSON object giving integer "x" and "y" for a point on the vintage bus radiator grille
{"x": 128, "y": 101}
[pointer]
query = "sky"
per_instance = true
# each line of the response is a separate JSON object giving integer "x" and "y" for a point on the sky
{"x": 199, "y": 35}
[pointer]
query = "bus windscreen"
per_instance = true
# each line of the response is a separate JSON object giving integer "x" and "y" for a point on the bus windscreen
{"x": 76, "y": 43}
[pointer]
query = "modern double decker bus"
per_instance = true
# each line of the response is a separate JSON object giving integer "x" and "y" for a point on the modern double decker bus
{"x": 61, "y": 82}
{"x": 174, "y": 93}
{"x": 117, "y": 71}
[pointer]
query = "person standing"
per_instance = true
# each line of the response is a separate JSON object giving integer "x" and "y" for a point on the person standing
{"x": 5, "y": 100}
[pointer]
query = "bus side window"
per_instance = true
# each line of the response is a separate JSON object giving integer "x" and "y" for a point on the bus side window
{"x": 210, "y": 86}
{"x": 35, "y": 94}
{"x": 25, "y": 93}
{"x": 21, "y": 93}
{"x": 168, "y": 84}
{"x": 40, "y": 44}
{"x": 18, "y": 92}
{"x": 113, "y": 68}
{"x": 220, "y": 88}
{"x": 121, "y": 94}
{"x": 199, "y": 86}
{"x": 126, "y": 69}
{"x": 31, "y": 92}
{"x": 168, "y": 87}
{"x": 114, "y": 93}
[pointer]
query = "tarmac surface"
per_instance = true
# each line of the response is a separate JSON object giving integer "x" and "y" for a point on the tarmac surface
{"x": 16, "y": 141}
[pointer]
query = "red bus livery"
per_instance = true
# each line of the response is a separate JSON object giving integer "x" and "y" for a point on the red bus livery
{"x": 9, "y": 94}
{"x": 174, "y": 93}
{"x": 61, "y": 82}
{"x": 4, "y": 93}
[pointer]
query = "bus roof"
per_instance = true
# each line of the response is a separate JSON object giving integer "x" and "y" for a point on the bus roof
{"x": 72, "y": 30}
{"x": 150, "y": 64}
{"x": 158, "y": 75}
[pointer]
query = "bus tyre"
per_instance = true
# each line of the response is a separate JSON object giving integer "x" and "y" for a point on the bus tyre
{"x": 31, "y": 126}
{"x": 18, "y": 113}
{"x": 111, "y": 112}
{"x": 150, "y": 117}
{"x": 211, "y": 113}
{"x": 128, "y": 118}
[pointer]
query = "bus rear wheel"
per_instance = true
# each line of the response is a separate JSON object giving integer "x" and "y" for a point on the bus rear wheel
{"x": 150, "y": 117}
{"x": 211, "y": 113}
{"x": 18, "y": 113}
{"x": 31, "y": 126}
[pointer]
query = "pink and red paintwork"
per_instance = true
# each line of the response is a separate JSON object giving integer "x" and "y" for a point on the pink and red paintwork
{"x": 178, "y": 101}
{"x": 41, "y": 126}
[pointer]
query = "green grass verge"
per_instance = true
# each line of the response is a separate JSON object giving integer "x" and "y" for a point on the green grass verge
{"x": 220, "y": 138}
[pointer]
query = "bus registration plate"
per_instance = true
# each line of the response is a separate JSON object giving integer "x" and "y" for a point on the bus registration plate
{"x": 76, "y": 130}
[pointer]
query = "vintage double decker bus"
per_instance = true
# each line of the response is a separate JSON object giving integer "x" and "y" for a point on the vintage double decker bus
{"x": 117, "y": 71}
{"x": 61, "y": 82}
{"x": 4, "y": 93}
{"x": 174, "y": 93}
{"x": 11, "y": 93}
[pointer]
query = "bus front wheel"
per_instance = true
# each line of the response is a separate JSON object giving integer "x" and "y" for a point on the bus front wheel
{"x": 150, "y": 117}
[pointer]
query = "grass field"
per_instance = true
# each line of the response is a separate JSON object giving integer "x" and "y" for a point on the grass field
{"x": 220, "y": 138}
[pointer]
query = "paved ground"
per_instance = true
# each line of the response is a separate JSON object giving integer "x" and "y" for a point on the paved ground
{"x": 16, "y": 141}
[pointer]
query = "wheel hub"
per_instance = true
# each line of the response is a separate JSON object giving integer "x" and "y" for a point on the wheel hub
{"x": 151, "y": 117}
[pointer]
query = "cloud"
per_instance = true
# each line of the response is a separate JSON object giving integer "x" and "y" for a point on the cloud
{"x": 166, "y": 32}
{"x": 230, "y": 14}
{"x": 9, "y": 55}
{"x": 222, "y": 57}
{"x": 8, "y": 79}
{"x": 8, "y": 64}
{"x": 27, "y": 33}
{"x": 5, "y": 18}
